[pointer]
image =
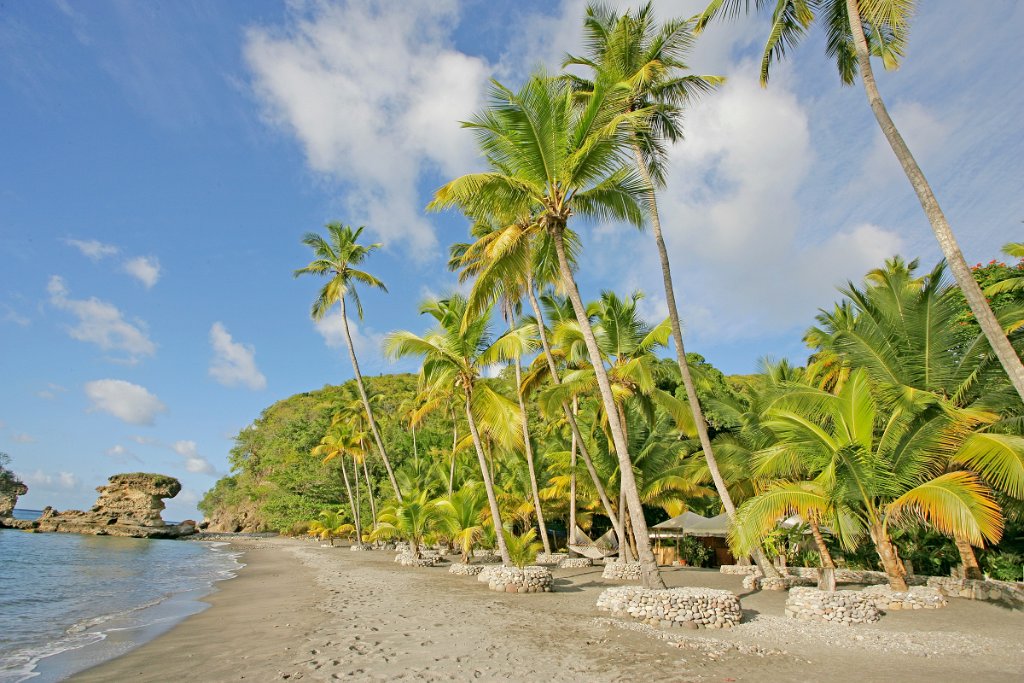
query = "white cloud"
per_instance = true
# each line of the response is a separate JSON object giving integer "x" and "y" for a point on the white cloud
{"x": 373, "y": 92}
{"x": 93, "y": 249}
{"x": 234, "y": 363}
{"x": 51, "y": 392}
{"x": 145, "y": 269}
{"x": 367, "y": 342}
{"x": 194, "y": 462}
{"x": 10, "y": 315}
{"x": 744, "y": 264}
{"x": 22, "y": 437}
{"x": 121, "y": 454}
{"x": 101, "y": 323}
{"x": 144, "y": 440}
{"x": 45, "y": 480}
{"x": 128, "y": 402}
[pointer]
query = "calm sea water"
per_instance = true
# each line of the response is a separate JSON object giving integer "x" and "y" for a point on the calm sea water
{"x": 68, "y": 602}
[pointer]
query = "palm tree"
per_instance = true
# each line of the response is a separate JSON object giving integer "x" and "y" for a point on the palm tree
{"x": 901, "y": 329}
{"x": 855, "y": 31}
{"x": 412, "y": 519}
{"x": 463, "y": 511}
{"x": 336, "y": 443}
{"x": 635, "y": 50}
{"x": 550, "y": 159}
{"x": 337, "y": 258}
{"x": 330, "y": 525}
{"x": 453, "y": 355}
{"x": 506, "y": 262}
{"x": 874, "y": 462}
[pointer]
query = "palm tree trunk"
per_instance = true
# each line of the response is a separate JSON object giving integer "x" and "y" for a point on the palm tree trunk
{"x": 352, "y": 503}
{"x": 369, "y": 493}
{"x": 651, "y": 574}
{"x": 570, "y": 415}
{"x": 819, "y": 540}
{"x": 366, "y": 403}
{"x": 492, "y": 499}
{"x": 968, "y": 559}
{"x": 993, "y": 331}
{"x": 766, "y": 567}
{"x": 528, "y": 452}
{"x": 572, "y": 484}
{"x": 455, "y": 445}
{"x": 890, "y": 558}
{"x": 355, "y": 485}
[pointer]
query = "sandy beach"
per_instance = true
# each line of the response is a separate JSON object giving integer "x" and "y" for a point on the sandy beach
{"x": 298, "y": 611}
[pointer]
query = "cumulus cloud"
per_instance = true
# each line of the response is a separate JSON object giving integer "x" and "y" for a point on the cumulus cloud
{"x": 101, "y": 323}
{"x": 194, "y": 462}
{"x": 373, "y": 92}
{"x": 744, "y": 261}
{"x": 22, "y": 437}
{"x": 145, "y": 269}
{"x": 93, "y": 249}
{"x": 127, "y": 402}
{"x": 10, "y": 315}
{"x": 234, "y": 363}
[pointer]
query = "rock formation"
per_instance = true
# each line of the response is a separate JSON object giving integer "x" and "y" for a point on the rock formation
{"x": 129, "y": 505}
{"x": 10, "y": 489}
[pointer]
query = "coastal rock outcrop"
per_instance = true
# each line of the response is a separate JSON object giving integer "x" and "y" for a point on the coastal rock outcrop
{"x": 129, "y": 505}
{"x": 10, "y": 489}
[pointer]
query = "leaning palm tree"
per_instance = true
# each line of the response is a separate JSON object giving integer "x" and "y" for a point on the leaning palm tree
{"x": 507, "y": 262}
{"x": 337, "y": 443}
{"x": 550, "y": 160}
{"x": 857, "y": 30}
{"x": 634, "y": 49}
{"x": 454, "y": 353}
{"x": 337, "y": 258}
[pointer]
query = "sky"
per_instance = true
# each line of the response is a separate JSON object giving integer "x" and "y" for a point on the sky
{"x": 160, "y": 162}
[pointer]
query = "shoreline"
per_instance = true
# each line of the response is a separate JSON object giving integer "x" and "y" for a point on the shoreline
{"x": 300, "y": 611}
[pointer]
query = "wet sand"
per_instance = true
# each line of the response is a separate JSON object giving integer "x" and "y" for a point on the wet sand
{"x": 298, "y": 611}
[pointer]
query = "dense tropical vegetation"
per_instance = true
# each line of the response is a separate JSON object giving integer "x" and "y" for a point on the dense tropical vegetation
{"x": 535, "y": 412}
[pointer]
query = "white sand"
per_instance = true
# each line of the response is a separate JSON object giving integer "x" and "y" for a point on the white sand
{"x": 301, "y": 612}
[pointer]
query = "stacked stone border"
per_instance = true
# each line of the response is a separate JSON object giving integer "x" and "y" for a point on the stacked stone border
{"x": 837, "y": 607}
{"x": 1004, "y": 592}
{"x": 917, "y": 597}
{"x": 683, "y": 607}
{"x": 550, "y": 558}
{"x": 575, "y": 563}
{"x": 461, "y": 569}
{"x": 407, "y": 560}
{"x": 622, "y": 571}
{"x": 514, "y": 580}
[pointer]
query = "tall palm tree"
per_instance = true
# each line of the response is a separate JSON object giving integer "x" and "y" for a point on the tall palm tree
{"x": 509, "y": 294}
{"x": 857, "y": 30}
{"x": 649, "y": 58}
{"x": 551, "y": 159}
{"x": 337, "y": 258}
{"x": 454, "y": 353}
{"x": 506, "y": 262}
{"x": 337, "y": 443}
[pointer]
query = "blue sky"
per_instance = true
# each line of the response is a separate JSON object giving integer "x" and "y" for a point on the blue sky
{"x": 162, "y": 160}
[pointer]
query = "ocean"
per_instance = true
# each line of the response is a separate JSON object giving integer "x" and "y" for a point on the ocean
{"x": 68, "y": 602}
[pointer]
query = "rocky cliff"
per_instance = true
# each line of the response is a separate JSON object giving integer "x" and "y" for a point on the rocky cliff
{"x": 129, "y": 505}
{"x": 10, "y": 489}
